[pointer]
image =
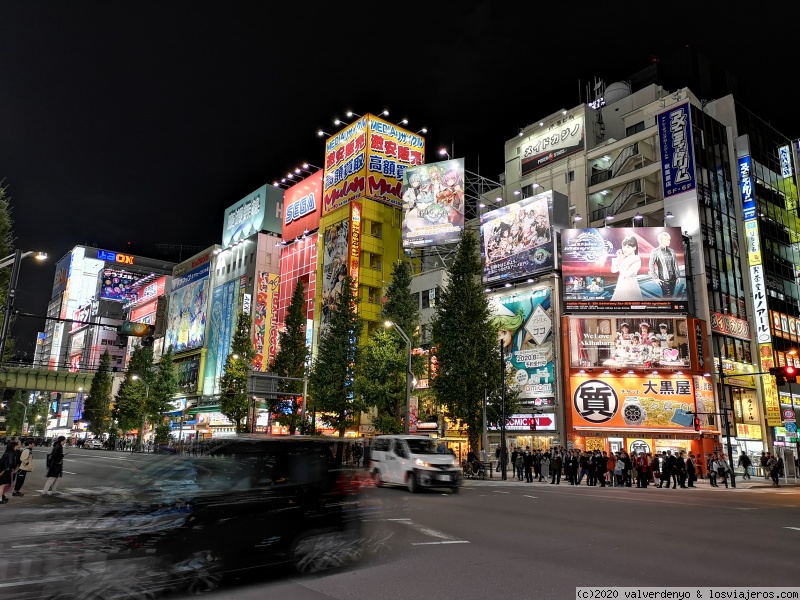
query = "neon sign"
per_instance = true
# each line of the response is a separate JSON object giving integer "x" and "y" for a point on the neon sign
{"x": 106, "y": 255}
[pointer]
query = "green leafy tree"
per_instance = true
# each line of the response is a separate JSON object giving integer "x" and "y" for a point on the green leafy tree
{"x": 16, "y": 413}
{"x": 332, "y": 379}
{"x": 402, "y": 307}
{"x": 381, "y": 380}
{"x": 466, "y": 342}
{"x": 38, "y": 418}
{"x": 233, "y": 383}
{"x": 165, "y": 387}
{"x": 133, "y": 398}
{"x": 97, "y": 406}
{"x": 291, "y": 362}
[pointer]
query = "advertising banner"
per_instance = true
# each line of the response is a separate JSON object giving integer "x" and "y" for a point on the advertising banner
{"x": 345, "y": 166}
{"x": 730, "y": 326}
{"x": 334, "y": 267}
{"x": 261, "y": 210}
{"x": 118, "y": 285}
{"x": 652, "y": 402}
{"x": 517, "y": 240}
{"x": 525, "y": 326}
{"x": 392, "y": 150}
{"x": 625, "y": 342}
{"x": 523, "y": 422}
{"x": 785, "y": 156}
{"x": 355, "y": 245}
{"x": 188, "y": 371}
{"x": 81, "y": 317}
{"x": 224, "y": 313}
{"x": 760, "y": 312}
{"x": 772, "y": 405}
{"x": 676, "y": 149}
{"x": 265, "y": 322}
{"x": 433, "y": 204}
{"x": 703, "y": 398}
{"x": 302, "y": 207}
{"x": 63, "y": 269}
{"x": 560, "y": 140}
{"x": 186, "y": 317}
{"x": 624, "y": 269}
{"x": 745, "y": 404}
{"x": 746, "y": 187}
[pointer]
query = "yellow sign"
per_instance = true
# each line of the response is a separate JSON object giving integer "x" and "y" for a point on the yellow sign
{"x": 771, "y": 402}
{"x": 753, "y": 244}
{"x": 748, "y": 432}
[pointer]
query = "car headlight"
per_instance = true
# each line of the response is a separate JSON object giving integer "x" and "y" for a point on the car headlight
{"x": 420, "y": 463}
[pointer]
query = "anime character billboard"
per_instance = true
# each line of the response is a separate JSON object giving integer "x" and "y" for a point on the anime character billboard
{"x": 433, "y": 204}
{"x": 186, "y": 317}
{"x": 334, "y": 268}
{"x": 624, "y": 268}
{"x": 525, "y": 327}
{"x": 517, "y": 240}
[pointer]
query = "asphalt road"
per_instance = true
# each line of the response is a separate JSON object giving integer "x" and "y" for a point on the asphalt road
{"x": 515, "y": 539}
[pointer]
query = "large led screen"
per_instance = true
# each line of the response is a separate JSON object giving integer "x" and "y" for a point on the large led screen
{"x": 188, "y": 303}
{"x": 118, "y": 285}
{"x": 517, "y": 240}
{"x": 433, "y": 204}
{"x": 624, "y": 269}
{"x": 525, "y": 326}
{"x": 628, "y": 342}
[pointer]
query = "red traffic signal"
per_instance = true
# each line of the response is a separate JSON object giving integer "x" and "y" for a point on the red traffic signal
{"x": 784, "y": 375}
{"x": 697, "y": 423}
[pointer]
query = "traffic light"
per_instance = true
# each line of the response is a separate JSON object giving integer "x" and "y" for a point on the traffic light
{"x": 697, "y": 423}
{"x": 784, "y": 375}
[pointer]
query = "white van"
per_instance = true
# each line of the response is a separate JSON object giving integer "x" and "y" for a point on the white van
{"x": 413, "y": 461}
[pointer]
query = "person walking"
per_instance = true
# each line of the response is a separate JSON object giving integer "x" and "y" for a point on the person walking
{"x": 680, "y": 466}
{"x": 555, "y": 466}
{"x": 664, "y": 470}
{"x": 774, "y": 471}
{"x": 744, "y": 462}
{"x": 764, "y": 461}
{"x": 691, "y": 472}
{"x": 8, "y": 464}
{"x": 497, "y": 458}
{"x": 56, "y": 468}
{"x": 25, "y": 467}
{"x": 583, "y": 462}
{"x": 723, "y": 469}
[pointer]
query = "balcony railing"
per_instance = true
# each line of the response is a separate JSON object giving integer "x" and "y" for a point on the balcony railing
{"x": 619, "y": 162}
{"x": 633, "y": 188}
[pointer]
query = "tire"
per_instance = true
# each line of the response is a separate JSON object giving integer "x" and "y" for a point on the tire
{"x": 317, "y": 551}
{"x": 376, "y": 476}
{"x": 482, "y": 474}
{"x": 413, "y": 487}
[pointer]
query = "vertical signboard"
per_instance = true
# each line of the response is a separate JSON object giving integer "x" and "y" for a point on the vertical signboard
{"x": 345, "y": 166}
{"x": 334, "y": 267}
{"x": 355, "y": 244}
{"x": 746, "y": 187}
{"x": 785, "y": 156}
{"x": 676, "y": 149}
{"x": 264, "y": 319}
{"x": 302, "y": 207}
{"x": 392, "y": 150}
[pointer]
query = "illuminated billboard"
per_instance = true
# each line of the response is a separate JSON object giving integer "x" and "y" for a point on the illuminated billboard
{"x": 368, "y": 158}
{"x": 433, "y": 204}
{"x": 629, "y": 342}
{"x": 302, "y": 207}
{"x": 261, "y": 210}
{"x": 525, "y": 326}
{"x": 651, "y": 402}
{"x": 624, "y": 269}
{"x": 558, "y": 141}
{"x": 186, "y": 317}
{"x": 226, "y": 301}
{"x": 118, "y": 285}
{"x": 517, "y": 240}
{"x": 265, "y": 320}
{"x": 334, "y": 267}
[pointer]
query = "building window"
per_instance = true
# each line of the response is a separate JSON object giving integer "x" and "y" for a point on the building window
{"x": 634, "y": 128}
{"x": 570, "y": 176}
{"x": 429, "y": 298}
{"x": 374, "y": 295}
{"x": 375, "y": 262}
{"x": 376, "y": 229}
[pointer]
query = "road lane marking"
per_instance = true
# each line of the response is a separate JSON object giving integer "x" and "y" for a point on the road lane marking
{"x": 530, "y": 496}
{"x": 499, "y": 492}
{"x": 439, "y": 543}
{"x": 69, "y": 473}
{"x": 795, "y": 528}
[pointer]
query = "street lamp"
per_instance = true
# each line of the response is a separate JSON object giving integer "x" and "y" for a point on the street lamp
{"x": 14, "y": 260}
{"x": 408, "y": 371}
{"x": 24, "y": 416}
{"x": 144, "y": 412}
{"x": 503, "y": 474}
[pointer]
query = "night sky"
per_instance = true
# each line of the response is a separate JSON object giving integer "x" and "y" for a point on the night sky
{"x": 137, "y": 123}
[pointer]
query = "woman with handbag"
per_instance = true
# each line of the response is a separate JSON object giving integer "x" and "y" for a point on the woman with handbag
{"x": 723, "y": 468}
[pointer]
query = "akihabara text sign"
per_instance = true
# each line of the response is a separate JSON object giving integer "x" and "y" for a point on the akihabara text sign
{"x": 368, "y": 158}
{"x": 302, "y": 207}
{"x": 559, "y": 140}
{"x": 433, "y": 204}
{"x": 653, "y": 402}
{"x": 525, "y": 327}
{"x": 676, "y": 149}
{"x": 517, "y": 240}
{"x": 624, "y": 269}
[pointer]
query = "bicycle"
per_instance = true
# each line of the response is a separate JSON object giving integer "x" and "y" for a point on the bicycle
{"x": 474, "y": 469}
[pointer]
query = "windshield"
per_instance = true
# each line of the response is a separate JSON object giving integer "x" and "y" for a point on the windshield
{"x": 422, "y": 446}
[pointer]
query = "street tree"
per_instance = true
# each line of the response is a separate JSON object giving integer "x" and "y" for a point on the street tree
{"x": 6, "y": 248}
{"x": 402, "y": 307}
{"x": 332, "y": 379}
{"x": 466, "y": 342}
{"x": 133, "y": 398}
{"x": 381, "y": 381}
{"x": 291, "y": 362}
{"x": 233, "y": 383}
{"x": 97, "y": 406}
{"x": 16, "y": 413}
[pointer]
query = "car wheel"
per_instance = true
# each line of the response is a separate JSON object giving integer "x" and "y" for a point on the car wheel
{"x": 317, "y": 551}
{"x": 376, "y": 476}
{"x": 412, "y": 483}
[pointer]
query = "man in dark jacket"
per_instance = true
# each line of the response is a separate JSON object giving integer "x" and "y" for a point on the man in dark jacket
{"x": 680, "y": 469}
{"x": 691, "y": 471}
{"x": 528, "y": 463}
{"x": 665, "y": 472}
{"x": 55, "y": 468}
{"x": 555, "y": 468}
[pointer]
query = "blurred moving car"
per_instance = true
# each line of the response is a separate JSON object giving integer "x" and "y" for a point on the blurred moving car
{"x": 185, "y": 523}
{"x": 413, "y": 461}
{"x": 94, "y": 444}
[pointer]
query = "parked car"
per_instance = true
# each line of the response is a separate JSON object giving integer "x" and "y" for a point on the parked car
{"x": 94, "y": 444}
{"x": 413, "y": 461}
{"x": 182, "y": 524}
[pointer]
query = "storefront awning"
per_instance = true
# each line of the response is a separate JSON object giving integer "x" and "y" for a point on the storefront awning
{"x": 657, "y": 433}
{"x": 203, "y": 409}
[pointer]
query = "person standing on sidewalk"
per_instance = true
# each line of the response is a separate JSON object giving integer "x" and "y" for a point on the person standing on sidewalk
{"x": 528, "y": 461}
{"x": 56, "y": 468}
{"x": 544, "y": 467}
{"x": 691, "y": 471}
{"x": 774, "y": 471}
{"x": 8, "y": 464}
{"x": 723, "y": 468}
{"x": 555, "y": 467}
{"x": 25, "y": 467}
